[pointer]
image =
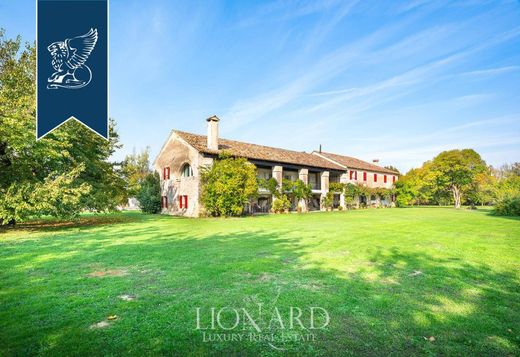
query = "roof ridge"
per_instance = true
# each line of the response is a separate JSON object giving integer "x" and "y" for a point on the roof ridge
{"x": 277, "y": 154}
{"x": 373, "y": 166}
{"x": 243, "y": 142}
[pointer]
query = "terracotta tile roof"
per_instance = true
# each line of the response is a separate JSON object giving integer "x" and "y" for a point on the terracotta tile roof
{"x": 352, "y": 162}
{"x": 258, "y": 152}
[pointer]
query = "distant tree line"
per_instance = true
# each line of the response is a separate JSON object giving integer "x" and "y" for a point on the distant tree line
{"x": 461, "y": 177}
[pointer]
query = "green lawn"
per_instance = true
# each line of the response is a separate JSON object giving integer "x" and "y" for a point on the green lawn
{"x": 418, "y": 281}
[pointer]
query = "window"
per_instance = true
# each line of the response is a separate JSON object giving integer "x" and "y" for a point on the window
{"x": 183, "y": 202}
{"x": 314, "y": 180}
{"x": 364, "y": 176}
{"x": 384, "y": 178}
{"x": 263, "y": 173}
{"x": 186, "y": 171}
{"x": 166, "y": 173}
{"x": 164, "y": 202}
{"x": 334, "y": 177}
{"x": 375, "y": 177}
{"x": 393, "y": 179}
{"x": 290, "y": 175}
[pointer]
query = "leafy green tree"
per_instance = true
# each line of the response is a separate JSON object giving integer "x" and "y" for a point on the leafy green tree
{"x": 149, "y": 193}
{"x": 135, "y": 168}
{"x": 71, "y": 159}
{"x": 455, "y": 171}
{"x": 393, "y": 168}
{"x": 482, "y": 189}
{"x": 62, "y": 196}
{"x": 228, "y": 185}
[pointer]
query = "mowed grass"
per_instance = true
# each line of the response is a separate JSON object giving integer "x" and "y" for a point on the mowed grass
{"x": 418, "y": 281}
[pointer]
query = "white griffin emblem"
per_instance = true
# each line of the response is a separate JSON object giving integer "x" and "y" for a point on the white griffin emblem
{"x": 68, "y": 61}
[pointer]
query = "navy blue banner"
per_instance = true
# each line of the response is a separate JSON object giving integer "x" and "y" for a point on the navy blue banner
{"x": 72, "y": 64}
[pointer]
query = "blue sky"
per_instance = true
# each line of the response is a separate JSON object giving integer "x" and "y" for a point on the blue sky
{"x": 398, "y": 81}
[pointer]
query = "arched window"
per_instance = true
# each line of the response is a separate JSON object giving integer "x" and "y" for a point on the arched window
{"x": 187, "y": 171}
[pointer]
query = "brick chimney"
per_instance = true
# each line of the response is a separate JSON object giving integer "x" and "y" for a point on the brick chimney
{"x": 376, "y": 162}
{"x": 213, "y": 132}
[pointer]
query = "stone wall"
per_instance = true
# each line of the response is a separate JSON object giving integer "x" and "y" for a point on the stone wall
{"x": 175, "y": 155}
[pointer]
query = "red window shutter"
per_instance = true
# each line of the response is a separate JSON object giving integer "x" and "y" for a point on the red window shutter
{"x": 168, "y": 173}
{"x": 393, "y": 179}
{"x": 165, "y": 201}
{"x": 186, "y": 202}
{"x": 364, "y": 176}
{"x": 351, "y": 174}
{"x": 164, "y": 173}
{"x": 385, "y": 178}
{"x": 180, "y": 202}
{"x": 355, "y": 175}
{"x": 375, "y": 177}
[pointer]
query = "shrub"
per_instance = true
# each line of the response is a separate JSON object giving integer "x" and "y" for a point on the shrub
{"x": 281, "y": 204}
{"x": 149, "y": 194}
{"x": 351, "y": 192}
{"x": 301, "y": 192}
{"x": 270, "y": 185}
{"x": 336, "y": 187}
{"x": 507, "y": 197}
{"x": 508, "y": 206}
{"x": 328, "y": 200}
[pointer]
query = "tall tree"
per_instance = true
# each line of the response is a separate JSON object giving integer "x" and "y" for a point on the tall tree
{"x": 135, "y": 168}
{"x": 68, "y": 165}
{"x": 393, "y": 168}
{"x": 455, "y": 171}
{"x": 149, "y": 193}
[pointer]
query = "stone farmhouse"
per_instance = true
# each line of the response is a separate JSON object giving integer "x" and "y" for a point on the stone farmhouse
{"x": 183, "y": 154}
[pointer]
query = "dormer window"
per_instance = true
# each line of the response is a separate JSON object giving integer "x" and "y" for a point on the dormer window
{"x": 186, "y": 171}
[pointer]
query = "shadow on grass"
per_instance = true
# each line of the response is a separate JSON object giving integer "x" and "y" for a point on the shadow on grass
{"x": 87, "y": 220}
{"x": 392, "y": 304}
{"x": 492, "y": 213}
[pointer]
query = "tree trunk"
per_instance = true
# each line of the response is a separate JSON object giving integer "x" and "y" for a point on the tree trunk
{"x": 456, "y": 196}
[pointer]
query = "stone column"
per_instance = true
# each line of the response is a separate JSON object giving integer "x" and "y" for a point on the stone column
{"x": 278, "y": 176}
{"x": 303, "y": 174}
{"x": 343, "y": 179}
{"x": 324, "y": 187}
